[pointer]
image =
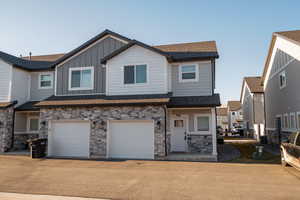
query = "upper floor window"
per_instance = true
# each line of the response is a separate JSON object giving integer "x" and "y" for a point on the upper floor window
{"x": 188, "y": 73}
{"x": 45, "y": 80}
{"x": 282, "y": 80}
{"x": 135, "y": 74}
{"x": 81, "y": 78}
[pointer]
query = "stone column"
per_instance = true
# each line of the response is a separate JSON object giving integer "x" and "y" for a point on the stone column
{"x": 6, "y": 128}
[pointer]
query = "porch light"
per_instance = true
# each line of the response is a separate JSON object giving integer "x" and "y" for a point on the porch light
{"x": 43, "y": 123}
{"x": 158, "y": 123}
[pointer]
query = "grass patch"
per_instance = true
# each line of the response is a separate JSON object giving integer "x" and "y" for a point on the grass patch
{"x": 247, "y": 149}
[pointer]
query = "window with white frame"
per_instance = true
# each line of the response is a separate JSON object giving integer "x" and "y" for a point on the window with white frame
{"x": 45, "y": 80}
{"x": 33, "y": 124}
{"x": 134, "y": 74}
{"x": 298, "y": 120}
{"x": 81, "y": 78}
{"x": 292, "y": 121}
{"x": 188, "y": 72}
{"x": 286, "y": 120}
{"x": 202, "y": 123}
{"x": 282, "y": 80}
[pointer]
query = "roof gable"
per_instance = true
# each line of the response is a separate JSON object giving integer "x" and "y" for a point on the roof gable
{"x": 292, "y": 36}
{"x": 89, "y": 43}
{"x": 234, "y": 105}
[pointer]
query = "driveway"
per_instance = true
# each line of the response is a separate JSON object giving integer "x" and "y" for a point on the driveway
{"x": 148, "y": 179}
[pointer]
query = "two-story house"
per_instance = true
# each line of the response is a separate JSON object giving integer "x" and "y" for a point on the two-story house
{"x": 280, "y": 80}
{"x": 114, "y": 97}
{"x": 235, "y": 114}
{"x": 252, "y": 100}
{"x": 222, "y": 117}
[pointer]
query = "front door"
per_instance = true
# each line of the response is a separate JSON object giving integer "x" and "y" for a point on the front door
{"x": 178, "y": 136}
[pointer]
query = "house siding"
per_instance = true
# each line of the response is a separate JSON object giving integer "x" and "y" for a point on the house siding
{"x": 157, "y": 80}
{"x": 20, "y": 85}
{"x": 5, "y": 81}
{"x": 90, "y": 57}
{"x": 37, "y": 94}
{"x": 203, "y": 87}
{"x": 285, "y": 100}
{"x": 248, "y": 109}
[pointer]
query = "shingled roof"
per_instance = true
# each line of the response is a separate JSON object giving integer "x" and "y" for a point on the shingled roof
{"x": 49, "y": 58}
{"x": 23, "y": 63}
{"x": 289, "y": 35}
{"x": 222, "y": 111}
{"x": 254, "y": 84}
{"x": 234, "y": 105}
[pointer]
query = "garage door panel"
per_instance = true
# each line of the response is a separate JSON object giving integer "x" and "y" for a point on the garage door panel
{"x": 69, "y": 139}
{"x": 131, "y": 139}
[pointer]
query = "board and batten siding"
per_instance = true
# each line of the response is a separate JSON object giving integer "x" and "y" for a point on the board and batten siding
{"x": 20, "y": 85}
{"x": 286, "y": 100}
{"x": 157, "y": 72}
{"x": 247, "y": 107}
{"x": 89, "y": 58}
{"x": 37, "y": 94}
{"x": 5, "y": 81}
{"x": 202, "y": 87}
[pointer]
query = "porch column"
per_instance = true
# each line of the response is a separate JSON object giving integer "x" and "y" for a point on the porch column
{"x": 214, "y": 131}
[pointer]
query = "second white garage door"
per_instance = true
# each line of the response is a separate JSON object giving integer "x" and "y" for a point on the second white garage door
{"x": 131, "y": 139}
{"x": 69, "y": 139}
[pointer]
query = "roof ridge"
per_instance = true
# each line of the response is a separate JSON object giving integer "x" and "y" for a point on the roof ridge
{"x": 184, "y": 43}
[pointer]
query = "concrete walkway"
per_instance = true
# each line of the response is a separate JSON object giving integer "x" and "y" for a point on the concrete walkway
{"x": 15, "y": 196}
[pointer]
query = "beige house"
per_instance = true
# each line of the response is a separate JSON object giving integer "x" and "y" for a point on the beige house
{"x": 235, "y": 114}
{"x": 222, "y": 117}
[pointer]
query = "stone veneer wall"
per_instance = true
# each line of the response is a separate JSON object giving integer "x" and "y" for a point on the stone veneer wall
{"x": 200, "y": 144}
{"x": 99, "y": 117}
{"x": 6, "y": 128}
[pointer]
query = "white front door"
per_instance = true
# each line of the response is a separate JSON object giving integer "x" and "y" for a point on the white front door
{"x": 178, "y": 136}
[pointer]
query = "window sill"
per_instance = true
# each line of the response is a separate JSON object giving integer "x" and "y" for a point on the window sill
{"x": 76, "y": 89}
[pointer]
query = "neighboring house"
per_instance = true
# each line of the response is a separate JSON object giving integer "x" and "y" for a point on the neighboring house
{"x": 252, "y": 99}
{"x": 235, "y": 114}
{"x": 281, "y": 83}
{"x": 222, "y": 117}
{"x": 114, "y": 97}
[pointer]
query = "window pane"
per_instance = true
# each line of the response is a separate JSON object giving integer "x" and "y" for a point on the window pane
{"x": 34, "y": 124}
{"x": 189, "y": 75}
{"x": 75, "y": 79}
{"x": 128, "y": 74}
{"x": 46, "y": 80}
{"x": 178, "y": 123}
{"x": 86, "y": 79}
{"x": 188, "y": 68}
{"x": 203, "y": 123}
{"x": 141, "y": 74}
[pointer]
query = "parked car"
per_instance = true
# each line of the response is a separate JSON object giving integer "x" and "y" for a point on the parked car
{"x": 290, "y": 151}
{"x": 237, "y": 130}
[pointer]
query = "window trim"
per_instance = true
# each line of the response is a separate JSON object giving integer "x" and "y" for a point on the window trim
{"x": 286, "y": 124}
{"x": 297, "y": 120}
{"x": 40, "y": 79}
{"x": 280, "y": 74}
{"x": 131, "y": 84}
{"x": 290, "y": 121}
{"x": 196, "y": 79}
{"x": 28, "y": 123}
{"x": 81, "y": 69}
{"x": 209, "y": 132}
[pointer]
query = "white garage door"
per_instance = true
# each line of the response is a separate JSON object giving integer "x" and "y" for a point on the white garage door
{"x": 69, "y": 139}
{"x": 131, "y": 139}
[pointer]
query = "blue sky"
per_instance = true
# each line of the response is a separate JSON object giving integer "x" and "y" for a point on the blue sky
{"x": 242, "y": 29}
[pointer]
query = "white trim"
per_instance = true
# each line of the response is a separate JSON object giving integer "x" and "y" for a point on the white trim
{"x": 271, "y": 129}
{"x": 286, "y": 124}
{"x": 243, "y": 92}
{"x": 214, "y": 130}
{"x": 282, "y": 74}
{"x": 196, "y": 79}
{"x": 28, "y": 123}
{"x": 133, "y": 84}
{"x": 90, "y": 46}
{"x": 189, "y": 108}
{"x": 297, "y": 120}
{"x": 295, "y": 126}
{"x": 209, "y": 132}
{"x": 61, "y": 95}
{"x": 81, "y": 69}
{"x": 39, "y": 82}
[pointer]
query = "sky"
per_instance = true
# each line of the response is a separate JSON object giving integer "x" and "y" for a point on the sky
{"x": 241, "y": 28}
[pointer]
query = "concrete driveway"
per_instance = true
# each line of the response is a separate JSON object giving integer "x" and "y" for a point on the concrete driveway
{"x": 148, "y": 179}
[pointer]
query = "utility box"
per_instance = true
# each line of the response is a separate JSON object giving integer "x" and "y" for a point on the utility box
{"x": 38, "y": 147}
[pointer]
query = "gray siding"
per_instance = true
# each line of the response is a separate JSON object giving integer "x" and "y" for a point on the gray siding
{"x": 37, "y": 94}
{"x": 259, "y": 109}
{"x": 201, "y": 88}
{"x": 286, "y": 100}
{"x": 248, "y": 109}
{"x": 90, "y": 57}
